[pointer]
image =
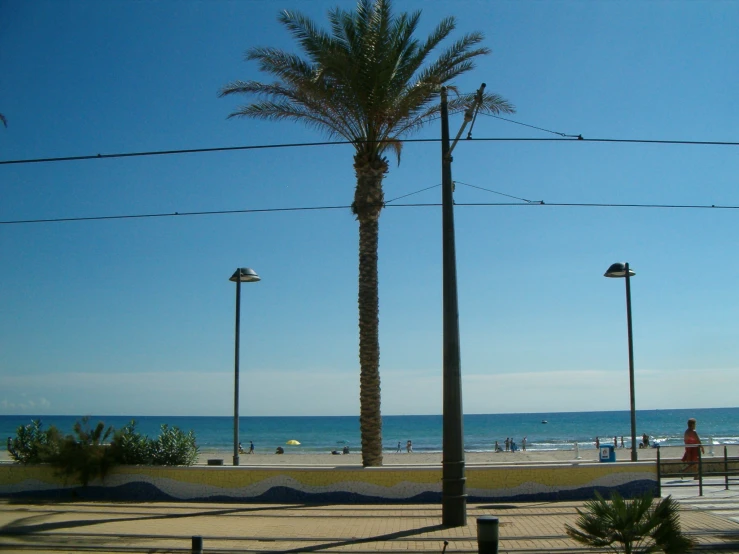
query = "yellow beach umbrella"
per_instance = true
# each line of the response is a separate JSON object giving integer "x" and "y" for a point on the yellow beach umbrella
{"x": 293, "y": 442}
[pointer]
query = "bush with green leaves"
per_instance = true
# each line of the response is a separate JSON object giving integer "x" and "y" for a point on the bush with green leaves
{"x": 33, "y": 445}
{"x": 174, "y": 447}
{"x": 631, "y": 526}
{"x": 130, "y": 447}
{"x": 84, "y": 456}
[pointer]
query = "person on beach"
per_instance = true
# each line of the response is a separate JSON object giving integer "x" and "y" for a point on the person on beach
{"x": 280, "y": 450}
{"x": 615, "y": 442}
{"x": 497, "y": 447}
{"x": 409, "y": 447}
{"x": 241, "y": 449}
{"x": 622, "y": 442}
{"x": 398, "y": 450}
{"x": 597, "y": 443}
{"x": 507, "y": 444}
{"x": 692, "y": 442}
{"x": 251, "y": 447}
{"x": 523, "y": 444}
{"x": 644, "y": 441}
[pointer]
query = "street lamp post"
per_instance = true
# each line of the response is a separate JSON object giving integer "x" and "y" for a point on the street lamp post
{"x": 453, "y": 480}
{"x": 241, "y": 275}
{"x": 622, "y": 270}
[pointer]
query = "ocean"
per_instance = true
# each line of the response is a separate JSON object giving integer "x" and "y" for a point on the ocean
{"x": 326, "y": 433}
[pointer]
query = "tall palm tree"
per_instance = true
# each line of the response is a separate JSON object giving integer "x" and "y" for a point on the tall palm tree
{"x": 368, "y": 81}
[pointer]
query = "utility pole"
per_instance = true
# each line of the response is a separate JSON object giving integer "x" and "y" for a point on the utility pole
{"x": 453, "y": 495}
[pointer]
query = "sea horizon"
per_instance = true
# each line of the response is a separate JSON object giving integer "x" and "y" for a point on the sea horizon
{"x": 544, "y": 430}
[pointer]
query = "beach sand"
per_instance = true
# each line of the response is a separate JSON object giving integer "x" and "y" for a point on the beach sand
{"x": 430, "y": 459}
{"x": 426, "y": 458}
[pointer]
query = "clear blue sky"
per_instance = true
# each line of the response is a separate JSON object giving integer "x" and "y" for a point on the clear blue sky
{"x": 136, "y": 316}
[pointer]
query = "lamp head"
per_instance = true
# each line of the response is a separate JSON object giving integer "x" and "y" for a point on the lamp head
{"x": 618, "y": 270}
{"x": 244, "y": 275}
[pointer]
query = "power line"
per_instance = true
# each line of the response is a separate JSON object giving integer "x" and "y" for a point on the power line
{"x": 419, "y": 205}
{"x": 170, "y": 214}
{"x": 573, "y": 205}
{"x": 579, "y": 137}
{"x": 411, "y": 194}
{"x": 496, "y": 192}
{"x": 565, "y": 138}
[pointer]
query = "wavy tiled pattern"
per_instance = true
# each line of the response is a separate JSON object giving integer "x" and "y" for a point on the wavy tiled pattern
{"x": 541, "y": 482}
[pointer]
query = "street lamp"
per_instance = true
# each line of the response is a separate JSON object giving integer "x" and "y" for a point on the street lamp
{"x": 622, "y": 270}
{"x": 241, "y": 275}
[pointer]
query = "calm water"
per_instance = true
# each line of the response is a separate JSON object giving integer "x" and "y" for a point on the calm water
{"x": 323, "y": 434}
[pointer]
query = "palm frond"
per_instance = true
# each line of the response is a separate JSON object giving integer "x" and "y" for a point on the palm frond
{"x": 364, "y": 79}
{"x": 637, "y": 525}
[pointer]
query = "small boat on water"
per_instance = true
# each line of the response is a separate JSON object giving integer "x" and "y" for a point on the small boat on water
{"x": 544, "y": 421}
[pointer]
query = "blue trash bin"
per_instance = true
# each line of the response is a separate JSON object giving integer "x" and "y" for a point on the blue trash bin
{"x": 607, "y": 454}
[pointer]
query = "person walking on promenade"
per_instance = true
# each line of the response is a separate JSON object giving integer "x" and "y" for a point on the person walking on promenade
{"x": 692, "y": 443}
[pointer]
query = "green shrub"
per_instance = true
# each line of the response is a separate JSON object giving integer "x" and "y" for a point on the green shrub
{"x": 33, "y": 445}
{"x": 129, "y": 447}
{"x": 174, "y": 448}
{"x": 84, "y": 456}
{"x": 631, "y": 526}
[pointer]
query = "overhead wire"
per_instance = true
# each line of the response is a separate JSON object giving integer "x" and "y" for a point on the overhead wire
{"x": 579, "y": 137}
{"x": 500, "y": 193}
{"x": 411, "y": 194}
{"x": 563, "y": 138}
{"x": 415, "y": 205}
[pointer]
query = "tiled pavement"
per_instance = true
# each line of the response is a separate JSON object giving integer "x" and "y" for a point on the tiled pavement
{"x": 55, "y": 527}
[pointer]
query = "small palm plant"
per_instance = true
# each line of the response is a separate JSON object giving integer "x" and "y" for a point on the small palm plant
{"x": 631, "y": 526}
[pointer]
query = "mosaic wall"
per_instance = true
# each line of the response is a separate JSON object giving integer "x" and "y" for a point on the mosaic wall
{"x": 340, "y": 484}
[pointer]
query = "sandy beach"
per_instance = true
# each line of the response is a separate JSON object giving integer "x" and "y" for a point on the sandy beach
{"x": 471, "y": 458}
{"x": 424, "y": 458}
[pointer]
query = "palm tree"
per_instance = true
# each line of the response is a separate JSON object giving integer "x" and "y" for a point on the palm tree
{"x": 631, "y": 526}
{"x": 367, "y": 81}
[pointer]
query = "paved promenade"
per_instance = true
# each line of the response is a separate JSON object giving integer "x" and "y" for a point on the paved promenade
{"x": 55, "y": 527}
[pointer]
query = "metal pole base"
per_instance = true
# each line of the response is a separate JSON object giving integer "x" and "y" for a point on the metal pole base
{"x": 454, "y": 511}
{"x": 236, "y": 460}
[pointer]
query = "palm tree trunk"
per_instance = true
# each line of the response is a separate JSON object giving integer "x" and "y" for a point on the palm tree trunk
{"x": 370, "y": 419}
{"x": 368, "y": 201}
